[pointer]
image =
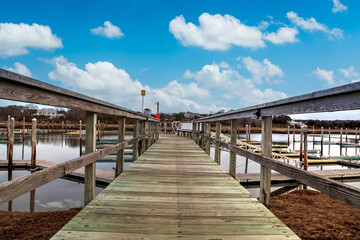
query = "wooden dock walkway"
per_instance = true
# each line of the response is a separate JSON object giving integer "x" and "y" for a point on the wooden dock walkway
{"x": 175, "y": 191}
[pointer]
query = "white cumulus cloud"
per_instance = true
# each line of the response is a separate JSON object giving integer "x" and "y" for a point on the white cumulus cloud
{"x": 188, "y": 74}
{"x": 103, "y": 80}
{"x": 20, "y": 69}
{"x": 216, "y": 32}
{"x": 283, "y": 35}
{"x": 349, "y": 72}
{"x": 209, "y": 89}
{"x": 338, "y": 6}
{"x": 109, "y": 30}
{"x": 322, "y": 74}
{"x": 262, "y": 70}
{"x": 16, "y": 39}
{"x": 312, "y": 25}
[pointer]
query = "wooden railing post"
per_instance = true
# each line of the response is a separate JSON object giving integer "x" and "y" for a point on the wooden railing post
{"x": 90, "y": 146}
{"x": 8, "y": 136}
{"x": 294, "y": 137}
{"x": 33, "y": 161}
{"x": 233, "y": 141}
{"x": 120, "y": 154}
{"x": 288, "y": 136}
{"x": 193, "y": 131}
{"x": 207, "y": 141}
{"x": 322, "y": 142}
{"x": 148, "y": 129}
{"x": 341, "y": 140}
{"x": 266, "y": 150}
{"x": 217, "y": 147}
{"x": 80, "y": 137}
{"x": 202, "y": 138}
{"x": 197, "y": 135}
{"x": 10, "y": 156}
{"x": 157, "y": 131}
{"x": 135, "y": 144}
{"x": 143, "y": 131}
{"x": 304, "y": 133}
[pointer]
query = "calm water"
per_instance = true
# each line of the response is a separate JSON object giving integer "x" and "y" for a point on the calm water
{"x": 64, "y": 194}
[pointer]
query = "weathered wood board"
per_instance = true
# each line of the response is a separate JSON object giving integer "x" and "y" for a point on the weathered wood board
{"x": 175, "y": 191}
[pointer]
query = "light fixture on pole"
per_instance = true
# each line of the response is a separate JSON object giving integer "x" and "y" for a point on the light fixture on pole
{"x": 142, "y": 105}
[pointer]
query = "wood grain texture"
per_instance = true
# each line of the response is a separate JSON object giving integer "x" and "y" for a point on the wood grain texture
{"x": 22, "y": 185}
{"x": 338, "y": 190}
{"x": 90, "y": 146}
{"x": 119, "y": 168}
{"x": 161, "y": 197}
{"x": 266, "y": 150}
{"x": 346, "y": 97}
{"x": 217, "y": 147}
{"x": 233, "y": 138}
{"x": 16, "y": 87}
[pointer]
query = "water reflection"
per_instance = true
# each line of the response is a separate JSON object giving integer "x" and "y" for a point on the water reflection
{"x": 64, "y": 194}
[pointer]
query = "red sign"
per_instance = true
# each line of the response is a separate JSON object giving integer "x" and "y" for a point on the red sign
{"x": 158, "y": 116}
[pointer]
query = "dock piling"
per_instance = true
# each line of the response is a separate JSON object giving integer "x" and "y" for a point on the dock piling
{"x": 33, "y": 161}
{"x": 90, "y": 146}
{"x": 120, "y": 154}
{"x": 233, "y": 141}
{"x": 217, "y": 147}
{"x": 266, "y": 150}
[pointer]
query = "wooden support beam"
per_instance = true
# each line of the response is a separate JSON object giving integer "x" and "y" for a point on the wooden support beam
{"x": 11, "y": 155}
{"x": 207, "y": 141}
{"x": 266, "y": 150}
{"x": 304, "y": 133}
{"x": 294, "y": 137}
{"x": 80, "y": 137}
{"x": 322, "y": 142}
{"x": 148, "y": 127}
{"x": 341, "y": 139}
{"x": 233, "y": 137}
{"x": 157, "y": 131}
{"x": 120, "y": 154}
{"x": 90, "y": 146}
{"x": 283, "y": 190}
{"x": 203, "y": 127}
{"x": 33, "y": 144}
{"x": 33, "y": 161}
{"x": 197, "y": 135}
{"x": 23, "y": 138}
{"x": 143, "y": 142}
{"x": 313, "y": 137}
{"x": 24, "y": 184}
{"x": 335, "y": 189}
{"x": 217, "y": 147}
{"x": 288, "y": 135}
{"x": 136, "y": 144}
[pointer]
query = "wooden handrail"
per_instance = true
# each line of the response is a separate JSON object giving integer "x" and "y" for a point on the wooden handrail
{"x": 338, "y": 190}
{"x": 17, "y": 87}
{"x": 15, "y": 188}
{"x": 346, "y": 97}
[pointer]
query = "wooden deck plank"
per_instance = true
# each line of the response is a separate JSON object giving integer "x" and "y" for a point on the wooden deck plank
{"x": 174, "y": 190}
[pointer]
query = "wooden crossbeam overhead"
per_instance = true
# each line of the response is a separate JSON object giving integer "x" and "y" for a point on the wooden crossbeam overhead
{"x": 17, "y": 87}
{"x": 346, "y": 97}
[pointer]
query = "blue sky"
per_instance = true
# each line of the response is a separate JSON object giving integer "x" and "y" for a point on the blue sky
{"x": 200, "y": 56}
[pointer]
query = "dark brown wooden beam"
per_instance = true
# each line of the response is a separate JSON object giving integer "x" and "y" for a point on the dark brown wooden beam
{"x": 16, "y": 87}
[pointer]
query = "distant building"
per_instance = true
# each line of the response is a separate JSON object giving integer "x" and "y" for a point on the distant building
{"x": 48, "y": 112}
{"x": 147, "y": 111}
{"x": 191, "y": 115}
